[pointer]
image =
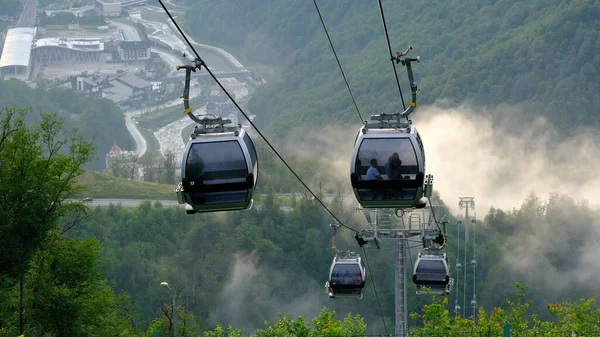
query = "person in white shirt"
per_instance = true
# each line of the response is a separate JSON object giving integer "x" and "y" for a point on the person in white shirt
{"x": 373, "y": 171}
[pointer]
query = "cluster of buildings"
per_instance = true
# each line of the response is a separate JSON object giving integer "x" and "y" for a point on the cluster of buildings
{"x": 22, "y": 50}
{"x": 126, "y": 91}
{"x": 218, "y": 103}
{"x": 111, "y": 8}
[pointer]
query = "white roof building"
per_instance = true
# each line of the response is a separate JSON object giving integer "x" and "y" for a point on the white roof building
{"x": 16, "y": 53}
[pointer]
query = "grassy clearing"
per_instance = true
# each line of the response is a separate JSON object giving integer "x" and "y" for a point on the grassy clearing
{"x": 99, "y": 185}
{"x": 57, "y": 27}
{"x": 104, "y": 186}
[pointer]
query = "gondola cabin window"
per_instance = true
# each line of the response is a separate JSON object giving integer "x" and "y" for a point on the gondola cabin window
{"x": 394, "y": 158}
{"x": 383, "y": 159}
{"x": 216, "y": 163}
{"x": 346, "y": 274}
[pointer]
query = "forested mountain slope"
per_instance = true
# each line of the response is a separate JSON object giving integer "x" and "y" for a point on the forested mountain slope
{"x": 242, "y": 268}
{"x": 541, "y": 54}
{"x": 100, "y": 120}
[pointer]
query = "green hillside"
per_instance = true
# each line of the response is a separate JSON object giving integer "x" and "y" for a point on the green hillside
{"x": 98, "y": 185}
{"x": 244, "y": 268}
{"x": 539, "y": 54}
{"x": 98, "y": 119}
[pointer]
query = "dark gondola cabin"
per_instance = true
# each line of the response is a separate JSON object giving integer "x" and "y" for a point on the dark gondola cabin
{"x": 218, "y": 172}
{"x": 346, "y": 276}
{"x": 432, "y": 272}
{"x": 388, "y": 168}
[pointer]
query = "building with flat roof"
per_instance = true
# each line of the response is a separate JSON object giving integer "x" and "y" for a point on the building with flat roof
{"x": 15, "y": 59}
{"x": 108, "y": 7}
{"x": 134, "y": 50}
{"x": 128, "y": 91}
{"x": 62, "y": 50}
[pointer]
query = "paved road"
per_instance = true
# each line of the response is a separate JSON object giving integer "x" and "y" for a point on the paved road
{"x": 132, "y": 203}
{"x": 129, "y": 32}
{"x": 128, "y": 202}
{"x": 137, "y": 202}
{"x": 140, "y": 142}
{"x": 28, "y": 15}
{"x": 165, "y": 33}
{"x": 173, "y": 6}
{"x": 172, "y": 60}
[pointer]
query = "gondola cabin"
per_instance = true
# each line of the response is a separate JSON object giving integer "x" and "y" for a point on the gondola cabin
{"x": 218, "y": 172}
{"x": 346, "y": 276}
{"x": 432, "y": 272}
{"x": 388, "y": 168}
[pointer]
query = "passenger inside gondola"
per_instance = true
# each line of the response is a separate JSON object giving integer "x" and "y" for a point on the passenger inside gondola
{"x": 373, "y": 171}
{"x": 393, "y": 167}
{"x": 346, "y": 274}
{"x": 401, "y": 164}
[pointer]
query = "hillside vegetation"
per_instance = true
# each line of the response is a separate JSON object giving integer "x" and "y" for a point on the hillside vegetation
{"x": 100, "y": 120}
{"x": 542, "y": 55}
{"x": 98, "y": 185}
{"x": 245, "y": 268}
{"x": 223, "y": 264}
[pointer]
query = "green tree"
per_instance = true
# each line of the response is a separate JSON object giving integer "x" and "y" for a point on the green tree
{"x": 167, "y": 168}
{"x": 324, "y": 325}
{"x": 38, "y": 167}
{"x": 566, "y": 317}
{"x": 65, "y": 295}
{"x": 90, "y": 115}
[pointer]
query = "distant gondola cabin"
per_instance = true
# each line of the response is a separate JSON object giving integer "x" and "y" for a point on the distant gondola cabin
{"x": 432, "y": 272}
{"x": 346, "y": 276}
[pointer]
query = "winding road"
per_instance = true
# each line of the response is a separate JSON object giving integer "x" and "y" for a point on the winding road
{"x": 29, "y": 14}
{"x": 128, "y": 202}
{"x": 129, "y": 32}
{"x": 140, "y": 142}
{"x": 171, "y": 203}
{"x": 162, "y": 31}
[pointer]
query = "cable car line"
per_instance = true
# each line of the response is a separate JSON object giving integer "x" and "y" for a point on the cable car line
{"x": 435, "y": 219}
{"x": 200, "y": 62}
{"x": 397, "y": 59}
{"x": 392, "y": 58}
{"x": 375, "y": 290}
{"x": 338, "y": 60}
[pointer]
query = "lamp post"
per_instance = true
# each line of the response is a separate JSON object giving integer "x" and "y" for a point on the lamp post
{"x": 173, "y": 314}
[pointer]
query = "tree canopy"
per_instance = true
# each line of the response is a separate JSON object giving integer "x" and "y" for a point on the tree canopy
{"x": 38, "y": 167}
{"x": 90, "y": 115}
{"x": 49, "y": 285}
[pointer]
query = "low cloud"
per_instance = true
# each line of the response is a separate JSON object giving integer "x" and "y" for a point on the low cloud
{"x": 250, "y": 295}
{"x": 500, "y": 164}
